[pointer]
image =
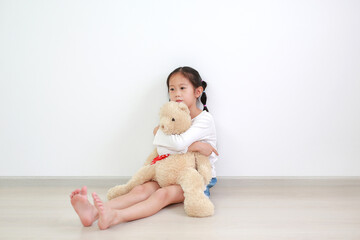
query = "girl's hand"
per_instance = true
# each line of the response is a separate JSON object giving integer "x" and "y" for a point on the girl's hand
{"x": 156, "y": 129}
{"x": 203, "y": 148}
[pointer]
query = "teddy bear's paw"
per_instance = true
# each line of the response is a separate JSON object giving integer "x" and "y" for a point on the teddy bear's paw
{"x": 196, "y": 207}
{"x": 116, "y": 191}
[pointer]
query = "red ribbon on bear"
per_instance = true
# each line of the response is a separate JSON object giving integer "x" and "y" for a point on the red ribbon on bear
{"x": 158, "y": 158}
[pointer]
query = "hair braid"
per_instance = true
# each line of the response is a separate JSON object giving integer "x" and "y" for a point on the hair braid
{"x": 203, "y": 96}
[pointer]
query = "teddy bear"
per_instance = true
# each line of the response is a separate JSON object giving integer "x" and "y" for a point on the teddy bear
{"x": 191, "y": 170}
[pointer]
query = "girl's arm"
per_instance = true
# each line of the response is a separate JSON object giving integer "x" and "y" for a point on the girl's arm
{"x": 180, "y": 142}
{"x": 203, "y": 148}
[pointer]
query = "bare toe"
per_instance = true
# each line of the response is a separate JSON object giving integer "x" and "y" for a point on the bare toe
{"x": 83, "y": 190}
{"x": 97, "y": 202}
{"x": 77, "y": 191}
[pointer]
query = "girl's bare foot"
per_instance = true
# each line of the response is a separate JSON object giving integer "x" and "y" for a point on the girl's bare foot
{"x": 107, "y": 216}
{"x": 86, "y": 211}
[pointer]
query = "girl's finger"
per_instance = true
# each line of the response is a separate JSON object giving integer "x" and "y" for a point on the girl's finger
{"x": 214, "y": 150}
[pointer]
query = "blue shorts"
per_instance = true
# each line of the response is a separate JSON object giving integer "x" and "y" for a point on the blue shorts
{"x": 212, "y": 183}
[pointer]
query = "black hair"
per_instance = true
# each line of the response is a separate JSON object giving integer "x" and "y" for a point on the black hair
{"x": 194, "y": 78}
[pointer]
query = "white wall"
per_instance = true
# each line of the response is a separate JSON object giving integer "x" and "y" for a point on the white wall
{"x": 81, "y": 83}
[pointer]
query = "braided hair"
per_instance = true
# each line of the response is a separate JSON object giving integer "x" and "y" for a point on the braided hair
{"x": 194, "y": 78}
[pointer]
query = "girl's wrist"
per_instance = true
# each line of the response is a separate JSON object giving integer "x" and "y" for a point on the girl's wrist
{"x": 193, "y": 147}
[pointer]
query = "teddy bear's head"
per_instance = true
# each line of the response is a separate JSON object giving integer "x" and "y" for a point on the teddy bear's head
{"x": 174, "y": 118}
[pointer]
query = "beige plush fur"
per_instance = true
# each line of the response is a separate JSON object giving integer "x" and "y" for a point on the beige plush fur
{"x": 192, "y": 171}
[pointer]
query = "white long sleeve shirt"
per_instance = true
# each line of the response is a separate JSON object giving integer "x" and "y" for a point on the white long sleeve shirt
{"x": 202, "y": 129}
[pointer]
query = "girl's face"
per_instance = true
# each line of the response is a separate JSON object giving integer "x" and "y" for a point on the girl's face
{"x": 181, "y": 90}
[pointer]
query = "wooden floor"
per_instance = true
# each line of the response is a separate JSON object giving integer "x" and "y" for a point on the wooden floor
{"x": 245, "y": 209}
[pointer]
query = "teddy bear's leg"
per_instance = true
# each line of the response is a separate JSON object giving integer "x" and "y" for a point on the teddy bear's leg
{"x": 196, "y": 204}
{"x": 203, "y": 166}
{"x": 145, "y": 174}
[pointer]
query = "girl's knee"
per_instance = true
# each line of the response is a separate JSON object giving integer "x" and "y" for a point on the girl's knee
{"x": 162, "y": 195}
{"x": 169, "y": 195}
{"x": 139, "y": 191}
{"x": 146, "y": 189}
{"x": 151, "y": 187}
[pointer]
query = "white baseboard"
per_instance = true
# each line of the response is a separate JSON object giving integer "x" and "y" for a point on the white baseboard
{"x": 109, "y": 181}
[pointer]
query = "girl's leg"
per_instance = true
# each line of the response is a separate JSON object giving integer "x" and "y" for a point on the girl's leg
{"x": 136, "y": 195}
{"x": 88, "y": 213}
{"x": 158, "y": 200}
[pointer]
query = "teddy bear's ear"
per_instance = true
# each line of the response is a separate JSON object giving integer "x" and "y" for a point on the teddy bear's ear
{"x": 184, "y": 108}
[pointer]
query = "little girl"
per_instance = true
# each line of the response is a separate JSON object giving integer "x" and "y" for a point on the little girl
{"x": 184, "y": 85}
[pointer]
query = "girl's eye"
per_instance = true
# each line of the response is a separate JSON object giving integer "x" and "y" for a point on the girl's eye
{"x": 182, "y": 88}
{"x": 171, "y": 89}
{"x": 173, "y": 119}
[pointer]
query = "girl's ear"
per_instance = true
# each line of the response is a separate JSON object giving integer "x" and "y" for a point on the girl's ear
{"x": 199, "y": 91}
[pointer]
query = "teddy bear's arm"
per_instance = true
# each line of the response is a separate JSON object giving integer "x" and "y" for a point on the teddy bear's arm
{"x": 153, "y": 155}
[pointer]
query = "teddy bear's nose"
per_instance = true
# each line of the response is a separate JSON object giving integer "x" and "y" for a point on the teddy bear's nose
{"x": 162, "y": 126}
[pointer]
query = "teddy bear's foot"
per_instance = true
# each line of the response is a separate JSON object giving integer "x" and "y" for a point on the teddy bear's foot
{"x": 199, "y": 207}
{"x": 146, "y": 173}
{"x": 117, "y": 191}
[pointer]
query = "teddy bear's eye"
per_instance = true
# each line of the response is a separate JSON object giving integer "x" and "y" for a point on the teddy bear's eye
{"x": 173, "y": 119}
